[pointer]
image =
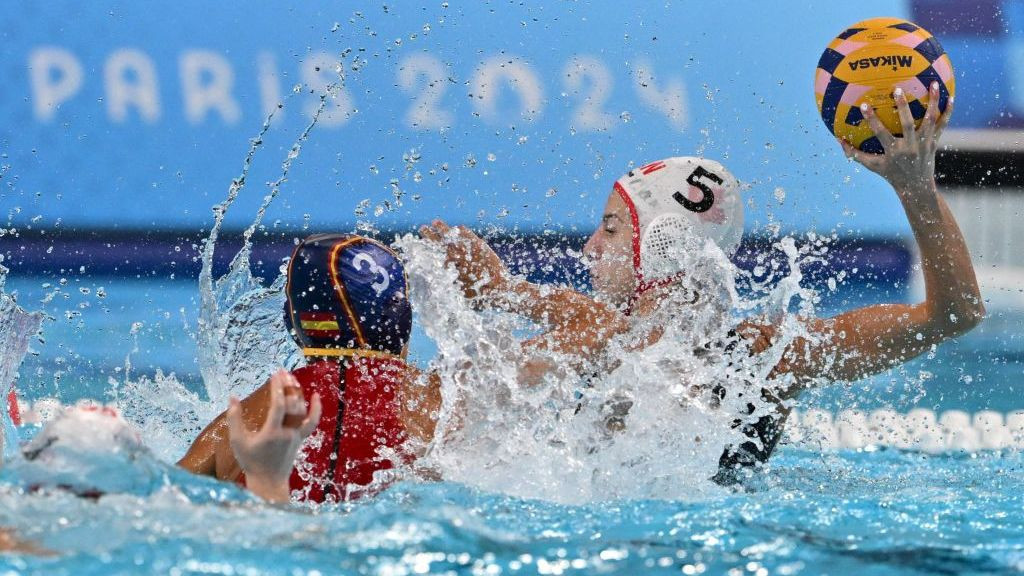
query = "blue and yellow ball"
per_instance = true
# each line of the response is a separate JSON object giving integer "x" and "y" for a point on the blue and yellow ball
{"x": 865, "y": 64}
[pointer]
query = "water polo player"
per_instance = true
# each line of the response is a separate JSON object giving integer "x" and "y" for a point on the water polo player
{"x": 655, "y": 212}
{"x": 91, "y": 451}
{"x": 347, "y": 308}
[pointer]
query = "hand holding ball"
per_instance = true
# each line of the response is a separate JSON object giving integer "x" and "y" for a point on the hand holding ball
{"x": 865, "y": 64}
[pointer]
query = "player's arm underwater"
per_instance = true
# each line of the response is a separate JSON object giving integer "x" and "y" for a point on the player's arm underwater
{"x": 872, "y": 339}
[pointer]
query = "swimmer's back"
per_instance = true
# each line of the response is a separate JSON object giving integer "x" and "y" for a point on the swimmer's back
{"x": 361, "y": 395}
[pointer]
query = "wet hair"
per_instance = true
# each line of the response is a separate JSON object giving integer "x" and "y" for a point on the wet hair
{"x": 347, "y": 294}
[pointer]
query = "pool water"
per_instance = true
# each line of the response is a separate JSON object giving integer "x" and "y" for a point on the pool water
{"x": 878, "y": 511}
{"x": 874, "y": 510}
{"x": 150, "y": 325}
{"x": 884, "y": 512}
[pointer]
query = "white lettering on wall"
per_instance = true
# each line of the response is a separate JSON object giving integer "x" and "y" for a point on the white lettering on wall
{"x": 270, "y": 87}
{"x": 581, "y": 73}
{"x": 504, "y": 88}
{"x": 130, "y": 80}
{"x": 55, "y": 75}
{"x": 207, "y": 80}
{"x": 669, "y": 99}
{"x": 321, "y": 73}
{"x": 497, "y": 71}
{"x": 426, "y": 79}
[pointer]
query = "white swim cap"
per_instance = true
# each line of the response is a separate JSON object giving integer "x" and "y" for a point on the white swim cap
{"x": 84, "y": 429}
{"x": 676, "y": 205}
{"x": 89, "y": 450}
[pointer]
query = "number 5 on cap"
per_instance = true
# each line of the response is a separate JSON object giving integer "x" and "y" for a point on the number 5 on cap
{"x": 708, "y": 199}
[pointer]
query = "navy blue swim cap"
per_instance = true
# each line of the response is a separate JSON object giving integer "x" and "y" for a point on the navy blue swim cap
{"x": 347, "y": 294}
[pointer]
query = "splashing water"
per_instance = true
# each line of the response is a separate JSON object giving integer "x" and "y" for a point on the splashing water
{"x": 241, "y": 337}
{"x": 17, "y": 327}
{"x": 650, "y": 428}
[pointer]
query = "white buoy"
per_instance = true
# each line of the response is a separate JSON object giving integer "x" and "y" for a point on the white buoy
{"x": 815, "y": 416}
{"x": 963, "y": 439}
{"x": 995, "y": 437}
{"x": 887, "y": 428}
{"x": 931, "y": 441}
{"x": 1015, "y": 426}
{"x": 992, "y": 429}
{"x": 818, "y": 429}
{"x": 987, "y": 419}
{"x": 852, "y": 426}
{"x": 955, "y": 420}
{"x": 921, "y": 423}
{"x": 921, "y": 418}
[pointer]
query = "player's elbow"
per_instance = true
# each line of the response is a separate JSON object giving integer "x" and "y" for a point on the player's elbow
{"x": 971, "y": 317}
{"x": 961, "y": 319}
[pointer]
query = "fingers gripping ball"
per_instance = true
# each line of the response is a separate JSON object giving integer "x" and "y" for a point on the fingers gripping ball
{"x": 866, "y": 64}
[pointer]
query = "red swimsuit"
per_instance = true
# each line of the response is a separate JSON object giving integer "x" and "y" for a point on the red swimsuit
{"x": 335, "y": 462}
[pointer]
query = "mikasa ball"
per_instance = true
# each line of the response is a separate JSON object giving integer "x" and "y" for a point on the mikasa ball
{"x": 865, "y": 64}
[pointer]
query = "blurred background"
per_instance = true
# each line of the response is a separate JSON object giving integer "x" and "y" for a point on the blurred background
{"x": 122, "y": 124}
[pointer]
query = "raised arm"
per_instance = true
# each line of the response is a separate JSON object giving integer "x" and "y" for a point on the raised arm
{"x": 210, "y": 453}
{"x": 260, "y": 436}
{"x": 869, "y": 340}
{"x": 575, "y": 323}
{"x": 267, "y": 454}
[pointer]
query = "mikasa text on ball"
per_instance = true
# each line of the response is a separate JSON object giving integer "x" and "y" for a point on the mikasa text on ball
{"x": 865, "y": 64}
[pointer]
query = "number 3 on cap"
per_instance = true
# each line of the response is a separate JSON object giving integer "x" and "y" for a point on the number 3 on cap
{"x": 709, "y": 197}
{"x": 357, "y": 262}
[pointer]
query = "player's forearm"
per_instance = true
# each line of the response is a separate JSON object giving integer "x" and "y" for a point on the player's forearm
{"x": 559, "y": 308}
{"x": 201, "y": 457}
{"x": 953, "y": 300}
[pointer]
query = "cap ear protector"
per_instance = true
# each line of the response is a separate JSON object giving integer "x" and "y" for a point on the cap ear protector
{"x": 675, "y": 205}
{"x": 346, "y": 295}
